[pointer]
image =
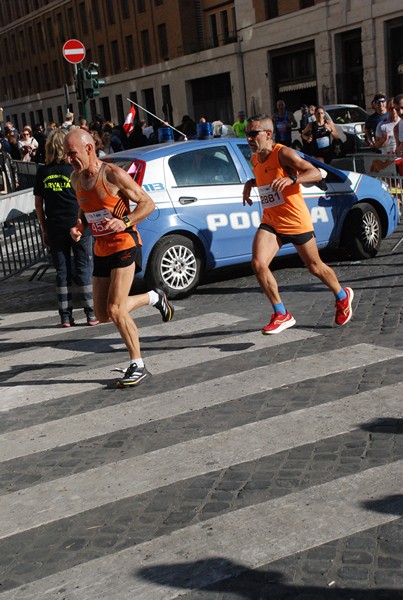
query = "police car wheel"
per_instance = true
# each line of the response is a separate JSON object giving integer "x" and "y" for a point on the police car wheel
{"x": 175, "y": 264}
{"x": 363, "y": 231}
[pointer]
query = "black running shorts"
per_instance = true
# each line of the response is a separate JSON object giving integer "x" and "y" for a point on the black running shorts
{"x": 297, "y": 240}
{"x": 103, "y": 265}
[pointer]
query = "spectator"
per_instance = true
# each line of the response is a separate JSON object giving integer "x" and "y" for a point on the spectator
{"x": 137, "y": 139}
{"x": 38, "y": 134}
{"x": 384, "y": 138}
{"x": 240, "y": 124}
{"x": 8, "y": 172}
{"x": 51, "y": 126}
{"x": 99, "y": 147}
{"x": 4, "y": 141}
{"x": 27, "y": 144}
{"x": 304, "y": 118}
{"x": 283, "y": 121}
{"x": 115, "y": 143}
{"x": 68, "y": 121}
{"x": 379, "y": 105}
{"x": 107, "y": 143}
{"x": 188, "y": 127}
{"x": 14, "y": 148}
{"x": 82, "y": 123}
{"x": 57, "y": 209}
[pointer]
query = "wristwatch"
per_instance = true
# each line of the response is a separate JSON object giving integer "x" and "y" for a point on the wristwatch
{"x": 126, "y": 221}
{"x": 293, "y": 178}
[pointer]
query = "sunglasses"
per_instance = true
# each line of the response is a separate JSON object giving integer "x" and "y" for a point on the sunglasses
{"x": 254, "y": 133}
{"x": 380, "y": 101}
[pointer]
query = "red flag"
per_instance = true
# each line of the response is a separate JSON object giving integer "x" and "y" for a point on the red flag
{"x": 128, "y": 124}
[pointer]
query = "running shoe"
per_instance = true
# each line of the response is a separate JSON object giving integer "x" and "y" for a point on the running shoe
{"x": 344, "y": 312}
{"x": 133, "y": 376}
{"x": 278, "y": 323}
{"x": 166, "y": 309}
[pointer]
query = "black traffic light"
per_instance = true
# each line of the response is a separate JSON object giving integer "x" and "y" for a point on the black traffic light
{"x": 91, "y": 82}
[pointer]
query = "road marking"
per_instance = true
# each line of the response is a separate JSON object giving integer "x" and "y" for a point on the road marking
{"x": 29, "y": 333}
{"x": 214, "y": 550}
{"x": 76, "y": 349}
{"x": 80, "y": 382}
{"x": 68, "y": 496}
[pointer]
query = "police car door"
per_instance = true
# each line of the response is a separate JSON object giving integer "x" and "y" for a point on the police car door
{"x": 205, "y": 186}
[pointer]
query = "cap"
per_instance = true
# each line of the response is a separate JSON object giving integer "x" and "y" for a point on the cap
{"x": 68, "y": 115}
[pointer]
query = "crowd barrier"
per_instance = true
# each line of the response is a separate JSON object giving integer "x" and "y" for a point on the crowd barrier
{"x": 21, "y": 243}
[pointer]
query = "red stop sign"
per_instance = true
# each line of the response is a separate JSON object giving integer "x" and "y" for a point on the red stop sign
{"x": 74, "y": 51}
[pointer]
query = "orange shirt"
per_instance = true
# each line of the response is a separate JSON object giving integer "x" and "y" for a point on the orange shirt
{"x": 98, "y": 204}
{"x": 292, "y": 216}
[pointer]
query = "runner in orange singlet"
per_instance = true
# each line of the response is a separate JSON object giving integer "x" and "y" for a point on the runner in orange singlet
{"x": 286, "y": 219}
{"x": 103, "y": 193}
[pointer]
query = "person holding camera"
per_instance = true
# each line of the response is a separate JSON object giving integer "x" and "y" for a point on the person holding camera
{"x": 27, "y": 144}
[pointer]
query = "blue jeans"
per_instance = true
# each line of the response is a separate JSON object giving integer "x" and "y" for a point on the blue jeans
{"x": 74, "y": 262}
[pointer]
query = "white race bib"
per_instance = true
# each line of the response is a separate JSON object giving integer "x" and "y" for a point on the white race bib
{"x": 270, "y": 198}
{"x": 96, "y": 220}
{"x": 323, "y": 142}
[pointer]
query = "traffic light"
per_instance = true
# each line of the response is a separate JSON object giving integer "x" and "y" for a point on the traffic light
{"x": 91, "y": 81}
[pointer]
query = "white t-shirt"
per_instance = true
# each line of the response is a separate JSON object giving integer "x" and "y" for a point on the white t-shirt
{"x": 386, "y": 127}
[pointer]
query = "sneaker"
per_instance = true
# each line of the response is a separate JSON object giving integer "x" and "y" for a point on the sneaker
{"x": 92, "y": 320}
{"x": 344, "y": 311}
{"x": 278, "y": 323}
{"x": 166, "y": 309}
{"x": 133, "y": 376}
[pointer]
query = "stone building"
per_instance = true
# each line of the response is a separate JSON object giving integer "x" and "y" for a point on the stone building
{"x": 205, "y": 58}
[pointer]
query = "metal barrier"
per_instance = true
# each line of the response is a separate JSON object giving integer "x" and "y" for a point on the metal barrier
{"x": 21, "y": 245}
{"x": 26, "y": 173}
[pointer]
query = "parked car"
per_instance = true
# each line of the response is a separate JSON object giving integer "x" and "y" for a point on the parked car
{"x": 200, "y": 223}
{"x": 349, "y": 121}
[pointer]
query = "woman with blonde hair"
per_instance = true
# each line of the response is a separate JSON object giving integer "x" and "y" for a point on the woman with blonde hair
{"x": 57, "y": 209}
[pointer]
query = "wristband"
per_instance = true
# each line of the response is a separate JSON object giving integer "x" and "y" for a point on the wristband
{"x": 126, "y": 221}
{"x": 293, "y": 178}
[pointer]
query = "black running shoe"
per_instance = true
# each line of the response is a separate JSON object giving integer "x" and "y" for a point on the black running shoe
{"x": 166, "y": 309}
{"x": 133, "y": 376}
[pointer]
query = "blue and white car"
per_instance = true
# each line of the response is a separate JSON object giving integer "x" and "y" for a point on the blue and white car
{"x": 200, "y": 222}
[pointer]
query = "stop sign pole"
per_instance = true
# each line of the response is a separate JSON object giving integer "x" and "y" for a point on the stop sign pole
{"x": 74, "y": 52}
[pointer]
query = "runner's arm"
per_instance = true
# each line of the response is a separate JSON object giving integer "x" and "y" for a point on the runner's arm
{"x": 294, "y": 164}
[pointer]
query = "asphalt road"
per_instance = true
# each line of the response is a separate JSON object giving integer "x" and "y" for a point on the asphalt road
{"x": 248, "y": 466}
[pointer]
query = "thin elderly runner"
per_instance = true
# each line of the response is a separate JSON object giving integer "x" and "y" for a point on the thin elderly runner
{"x": 103, "y": 193}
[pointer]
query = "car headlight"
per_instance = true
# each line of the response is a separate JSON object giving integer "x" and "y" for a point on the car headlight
{"x": 349, "y": 129}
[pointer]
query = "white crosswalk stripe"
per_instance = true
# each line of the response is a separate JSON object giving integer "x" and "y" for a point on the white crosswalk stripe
{"x": 148, "y": 570}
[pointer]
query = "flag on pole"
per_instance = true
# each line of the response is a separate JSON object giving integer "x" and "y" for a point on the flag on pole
{"x": 128, "y": 124}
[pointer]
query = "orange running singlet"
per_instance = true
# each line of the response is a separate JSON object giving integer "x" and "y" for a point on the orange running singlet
{"x": 285, "y": 211}
{"x": 98, "y": 204}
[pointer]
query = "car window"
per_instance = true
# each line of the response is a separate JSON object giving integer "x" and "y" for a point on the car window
{"x": 246, "y": 151}
{"x": 204, "y": 166}
{"x": 347, "y": 115}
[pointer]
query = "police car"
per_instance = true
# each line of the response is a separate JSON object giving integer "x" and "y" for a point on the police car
{"x": 200, "y": 222}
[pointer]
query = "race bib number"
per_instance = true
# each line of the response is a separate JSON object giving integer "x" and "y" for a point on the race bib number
{"x": 97, "y": 222}
{"x": 323, "y": 142}
{"x": 270, "y": 198}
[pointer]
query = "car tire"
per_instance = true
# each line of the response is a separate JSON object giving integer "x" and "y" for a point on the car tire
{"x": 176, "y": 265}
{"x": 362, "y": 232}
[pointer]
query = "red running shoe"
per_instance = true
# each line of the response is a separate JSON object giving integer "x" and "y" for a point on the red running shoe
{"x": 344, "y": 311}
{"x": 278, "y": 323}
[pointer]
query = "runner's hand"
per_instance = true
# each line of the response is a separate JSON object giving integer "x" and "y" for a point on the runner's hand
{"x": 282, "y": 182}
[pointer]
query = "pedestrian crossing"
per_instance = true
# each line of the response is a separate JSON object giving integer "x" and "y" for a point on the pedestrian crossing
{"x": 171, "y": 562}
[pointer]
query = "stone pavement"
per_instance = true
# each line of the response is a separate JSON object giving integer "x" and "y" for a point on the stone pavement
{"x": 247, "y": 467}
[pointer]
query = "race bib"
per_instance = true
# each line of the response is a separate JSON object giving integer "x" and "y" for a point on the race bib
{"x": 270, "y": 198}
{"x": 97, "y": 222}
{"x": 323, "y": 142}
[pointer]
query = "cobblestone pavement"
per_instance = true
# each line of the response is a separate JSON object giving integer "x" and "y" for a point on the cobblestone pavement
{"x": 249, "y": 466}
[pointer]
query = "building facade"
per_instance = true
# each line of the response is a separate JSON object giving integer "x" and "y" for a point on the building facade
{"x": 205, "y": 58}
